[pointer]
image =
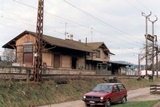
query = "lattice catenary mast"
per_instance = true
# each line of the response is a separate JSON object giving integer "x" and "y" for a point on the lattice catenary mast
{"x": 39, "y": 41}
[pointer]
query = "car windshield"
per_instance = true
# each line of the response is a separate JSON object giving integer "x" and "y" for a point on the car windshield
{"x": 106, "y": 88}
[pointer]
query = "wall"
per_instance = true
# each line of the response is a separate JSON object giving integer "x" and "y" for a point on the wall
{"x": 66, "y": 61}
{"x": 23, "y": 70}
{"x": 22, "y": 59}
{"x": 103, "y": 56}
{"x": 48, "y": 59}
{"x": 81, "y": 63}
{"x": 27, "y": 38}
{"x": 123, "y": 71}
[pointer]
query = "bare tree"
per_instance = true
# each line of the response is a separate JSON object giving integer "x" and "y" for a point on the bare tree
{"x": 9, "y": 55}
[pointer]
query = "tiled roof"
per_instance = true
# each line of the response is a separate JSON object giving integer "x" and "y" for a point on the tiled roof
{"x": 67, "y": 43}
{"x": 96, "y": 45}
{"x": 71, "y": 44}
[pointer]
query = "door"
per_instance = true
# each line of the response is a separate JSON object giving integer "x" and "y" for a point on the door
{"x": 56, "y": 61}
{"x": 28, "y": 59}
{"x": 123, "y": 91}
{"x": 28, "y": 55}
{"x": 115, "y": 94}
{"x": 74, "y": 62}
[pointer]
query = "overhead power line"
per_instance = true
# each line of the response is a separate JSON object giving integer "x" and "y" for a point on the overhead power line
{"x": 143, "y": 5}
{"x": 138, "y": 9}
{"x": 98, "y": 19}
{"x": 104, "y": 23}
{"x": 25, "y": 23}
{"x": 80, "y": 24}
{"x": 108, "y": 36}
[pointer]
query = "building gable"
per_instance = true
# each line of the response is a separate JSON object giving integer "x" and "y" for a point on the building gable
{"x": 98, "y": 45}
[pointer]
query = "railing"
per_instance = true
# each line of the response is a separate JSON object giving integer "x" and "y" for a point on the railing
{"x": 155, "y": 89}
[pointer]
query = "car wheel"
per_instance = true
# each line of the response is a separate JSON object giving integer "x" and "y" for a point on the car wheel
{"x": 108, "y": 103}
{"x": 124, "y": 100}
{"x": 87, "y": 105}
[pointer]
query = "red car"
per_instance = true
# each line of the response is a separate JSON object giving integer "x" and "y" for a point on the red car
{"x": 105, "y": 94}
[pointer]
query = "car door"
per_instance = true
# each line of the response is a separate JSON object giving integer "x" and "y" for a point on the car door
{"x": 123, "y": 91}
{"x": 115, "y": 94}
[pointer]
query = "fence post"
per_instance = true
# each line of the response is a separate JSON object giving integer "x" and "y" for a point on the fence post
{"x": 28, "y": 71}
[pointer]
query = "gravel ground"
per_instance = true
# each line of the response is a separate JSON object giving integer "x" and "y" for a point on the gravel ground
{"x": 142, "y": 94}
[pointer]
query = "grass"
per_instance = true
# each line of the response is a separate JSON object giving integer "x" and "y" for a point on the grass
{"x": 138, "y": 104}
{"x": 132, "y": 84}
{"x": 21, "y": 94}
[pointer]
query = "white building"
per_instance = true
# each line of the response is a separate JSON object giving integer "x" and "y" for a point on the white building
{"x": 143, "y": 72}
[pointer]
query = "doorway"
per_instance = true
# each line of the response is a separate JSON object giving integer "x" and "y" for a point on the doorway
{"x": 28, "y": 59}
{"x": 74, "y": 62}
{"x": 56, "y": 61}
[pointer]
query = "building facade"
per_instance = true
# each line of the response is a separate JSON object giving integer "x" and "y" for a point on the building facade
{"x": 58, "y": 53}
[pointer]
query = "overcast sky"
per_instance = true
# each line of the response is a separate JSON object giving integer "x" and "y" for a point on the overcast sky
{"x": 117, "y": 23}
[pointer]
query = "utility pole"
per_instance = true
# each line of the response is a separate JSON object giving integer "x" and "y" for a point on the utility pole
{"x": 156, "y": 46}
{"x": 39, "y": 41}
{"x": 91, "y": 34}
{"x": 139, "y": 64}
{"x": 153, "y": 43}
{"x": 146, "y": 17}
{"x": 65, "y": 30}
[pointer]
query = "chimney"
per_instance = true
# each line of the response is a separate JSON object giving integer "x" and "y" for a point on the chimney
{"x": 70, "y": 37}
{"x": 86, "y": 41}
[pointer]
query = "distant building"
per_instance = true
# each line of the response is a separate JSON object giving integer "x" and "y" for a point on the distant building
{"x": 149, "y": 72}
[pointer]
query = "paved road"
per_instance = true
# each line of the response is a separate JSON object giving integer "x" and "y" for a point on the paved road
{"x": 132, "y": 96}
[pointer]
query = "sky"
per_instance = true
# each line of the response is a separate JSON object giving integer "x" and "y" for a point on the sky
{"x": 117, "y": 23}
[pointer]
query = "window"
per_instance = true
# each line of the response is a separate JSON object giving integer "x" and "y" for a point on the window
{"x": 106, "y": 88}
{"x": 98, "y": 54}
{"x": 107, "y": 54}
{"x": 115, "y": 89}
{"x": 121, "y": 87}
{"x": 89, "y": 54}
{"x": 27, "y": 48}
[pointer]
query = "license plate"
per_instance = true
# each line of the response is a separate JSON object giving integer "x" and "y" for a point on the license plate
{"x": 91, "y": 101}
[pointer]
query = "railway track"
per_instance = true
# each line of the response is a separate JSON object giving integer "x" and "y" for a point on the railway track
{"x": 68, "y": 76}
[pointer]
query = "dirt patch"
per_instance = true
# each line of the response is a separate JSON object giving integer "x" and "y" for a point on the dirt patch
{"x": 142, "y": 94}
{"x": 157, "y": 105}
